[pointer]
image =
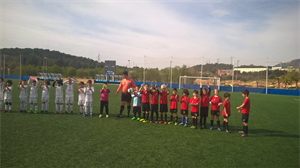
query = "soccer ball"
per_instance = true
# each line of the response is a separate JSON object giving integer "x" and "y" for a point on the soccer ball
{"x": 130, "y": 90}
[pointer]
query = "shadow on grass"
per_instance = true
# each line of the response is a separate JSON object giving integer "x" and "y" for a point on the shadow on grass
{"x": 269, "y": 133}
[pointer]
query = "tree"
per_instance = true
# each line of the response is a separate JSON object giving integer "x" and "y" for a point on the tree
{"x": 295, "y": 76}
{"x": 286, "y": 79}
{"x": 278, "y": 81}
{"x": 81, "y": 73}
{"x": 134, "y": 74}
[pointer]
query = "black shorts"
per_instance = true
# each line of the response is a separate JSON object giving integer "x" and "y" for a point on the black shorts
{"x": 184, "y": 112}
{"x": 136, "y": 109}
{"x": 163, "y": 108}
{"x": 225, "y": 116}
{"x": 154, "y": 107}
{"x": 195, "y": 114}
{"x": 245, "y": 118}
{"x": 173, "y": 110}
{"x": 215, "y": 112}
{"x": 204, "y": 111}
{"x": 126, "y": 97}
{"x": 146, "y": 106}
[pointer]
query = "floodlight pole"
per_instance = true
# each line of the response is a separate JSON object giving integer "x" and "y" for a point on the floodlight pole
{"x": 171, "y": 72}
{"x": 201, "y": 71}
{"x": 232, "y": 72}
{"x": 267, "y": 75}
{"x": 237, "y": 65}
{"x": 4, "y": 68}
{"x": 20, "y": 66}
{"x": 144, "y": 69}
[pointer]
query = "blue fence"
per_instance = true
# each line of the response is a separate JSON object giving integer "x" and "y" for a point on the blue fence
{"x": 192, "y": 86}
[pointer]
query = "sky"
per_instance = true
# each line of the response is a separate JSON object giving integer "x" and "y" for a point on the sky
{"x": 156, "y": 33}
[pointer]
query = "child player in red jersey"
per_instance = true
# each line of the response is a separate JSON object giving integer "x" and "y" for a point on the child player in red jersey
{"x": 185, "y": 100}
{"x": 145, "y": 102}
{"x": 226, "y": 112}
{"x": 164, "y": 103}
{"x": 174, "y": 99}
{"x": 216, "y": 101}
{"x": 195, "y": 101}
{"x": 204, "y": 105}
{"x": 245, "y": 112}
{"x": 154, "y": 102}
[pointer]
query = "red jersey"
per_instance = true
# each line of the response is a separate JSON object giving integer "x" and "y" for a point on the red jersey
{"x": 205, "y": 100}
{"x": 145, "y": 96}
{"x": 246, "y": 108}
{"x": 126, "y": 84}
{"x": 154, "y": 98}
{"x": 174, "y": 99}
{"x": 195, "y": 108}
{"x": 215, "y": 101}
{"x": 226, "y": 105}
{"x": 164, "y": 97}
{"x": 185, "y": 103}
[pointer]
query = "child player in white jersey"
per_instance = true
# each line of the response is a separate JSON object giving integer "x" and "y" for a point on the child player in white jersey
{"x": 59, "y": 99}
{"x": 89, "y": 98}
{"x": 1, "y": 92}
{"x": 45, "y": 95}
{"x": 69, "y": 94}
{"x": 23, "y": 95}
{"x": 8, "y": 95}
{"x": 81, "y": 96}
{"x": 33, "y": 95}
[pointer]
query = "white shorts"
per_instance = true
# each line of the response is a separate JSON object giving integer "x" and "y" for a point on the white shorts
{"x": 88, "y": 104}
{"x": 32, "y": 99}
{"x": 7, "y": 100}
{"x": 23, "y": 99}
{"x": 59, "y": 100}
{"x": 81, "y": 102}
{"x": 45, "y": 99}
{"x": 69, "y": 99}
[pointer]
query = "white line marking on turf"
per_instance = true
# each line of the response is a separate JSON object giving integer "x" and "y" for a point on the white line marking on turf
{"x": 297, "y": 99}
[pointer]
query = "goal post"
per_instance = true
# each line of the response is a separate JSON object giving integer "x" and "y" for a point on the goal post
{"x": 213, "y": 81}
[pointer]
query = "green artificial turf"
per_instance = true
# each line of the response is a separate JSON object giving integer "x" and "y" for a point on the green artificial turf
{"x": 71, "y": 140}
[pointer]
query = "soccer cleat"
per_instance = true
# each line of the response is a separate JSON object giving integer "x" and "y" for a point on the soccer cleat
{"x": 181, "y": 123}
{"x": 106, "y": 115}
{"x": 171, "y": 122}
{"x": 244, "y": 135}
{"x": 91, "y": 115}
{"x": 219, "y": 129}
{"x": 9, "y": 111}
{"x": 28, "y": 111}
{"x": 138, "y": 119}
{"x": 211, "y": 128}
{"x": 165, "y": 122}
{"x": 145, "y": 121}
{"x": 46, "y": 111}
{"x": 193, "y": 127}
{"x": 100, "y": 115}
{"x": 5, "y": 111}
{"x": 21, "y": 111}
{"x": 80, "y": 113}
{"x": 56, "y": 112}
{"x": 66, "y": 112}
{"x": 185, "y": 125}
{"x": 85, "y": 115}
{"x": 151, "y": 121}
{"x": 119, "y": 115}
{"x": 60, "y": 112}
{"x": 227, "y": 131}
{"x": 161, "y": 122}
{"x": 133, "y": 118}
{"x": 176, "y": 123}
{"x": 156, "y": 122}
{"x": 35, "y": 112}
{"x": 42, "y": 111}
{"x": 72, "y": 112}
{"x": 142, "y": 119}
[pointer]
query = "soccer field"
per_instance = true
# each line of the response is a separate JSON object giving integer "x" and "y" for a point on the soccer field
{"x": 71, "y": 140}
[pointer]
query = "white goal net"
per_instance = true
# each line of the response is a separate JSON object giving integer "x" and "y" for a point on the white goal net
{"x": 194, "y": 82}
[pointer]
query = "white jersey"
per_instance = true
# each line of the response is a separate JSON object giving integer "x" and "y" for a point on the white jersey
{"x": 89, "y": 94}
{"x": 33, "y": 89}
{"x": 46, "y": 91}
{"x": 81, "y": 94}
{"x": 23, "y": 91}
{"x": 7, "y": 92}
{"x": 69, "y": 87}
{"x": 1, "y": 87}
{"x": 58, "y": 91}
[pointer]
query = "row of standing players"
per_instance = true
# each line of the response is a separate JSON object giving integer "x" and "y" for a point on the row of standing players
{"x": 85, "y": 95}
{"x": 141, "y": 102}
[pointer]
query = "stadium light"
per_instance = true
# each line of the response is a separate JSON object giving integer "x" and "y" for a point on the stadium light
{"x": 237, "y": 65}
